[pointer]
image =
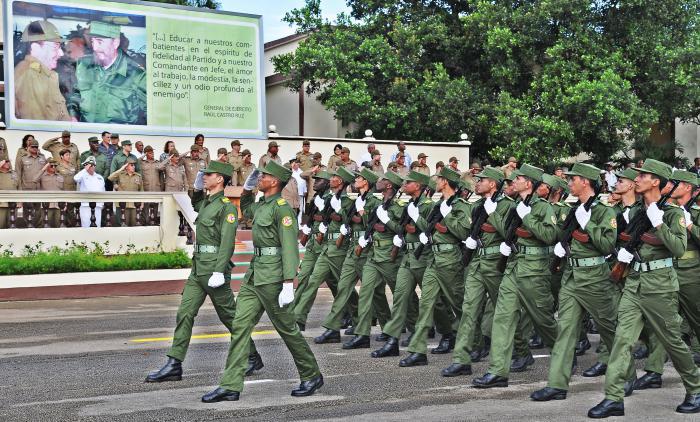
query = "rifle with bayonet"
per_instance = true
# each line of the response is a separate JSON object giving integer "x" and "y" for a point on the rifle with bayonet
{"x": 687, "y": 207}
{"x": 478, "y": 219}
{"x": 512, "y": 224}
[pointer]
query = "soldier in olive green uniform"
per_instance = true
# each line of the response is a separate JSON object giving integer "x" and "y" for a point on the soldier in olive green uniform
{"x": 353, "y": 264}
{"x": 411, "y": 269}
{"x": 525, "y": 285}
{"x": 152, "y": 182}
{"x": 585, "y": 282}
{"x": 192, "y": 163}
{"x": 58, "y": 144}
{"x": 235, "y": 158}
{"x": 49, "y": 179}
{"x": 651, "y": 295}
{"x": 305, "y": 156}
{"x": 122, "y": 156}
{"x": 217, "y": 221}
{"x": 268, "y": 286}
{"x": 101, "y": 165}
{"x": 686, "y": 268}
{"x": 29, "y": 170}
{"x": 331, "y": 257}
{"x": 126, "y": 179}
{"x": 174, "y": 174}
{"x": 111, "y": 86}
{"x": 8, "y": 181}
{"x": 483, "y": 278}
{"x": 444, "y": 275}
{"x": 270, "y": 155}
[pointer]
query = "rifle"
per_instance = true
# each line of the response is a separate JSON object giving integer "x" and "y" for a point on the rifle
{"x": 373, "y": 220}
{"x": 348, "y": 220}
{"x": 478, "y": 219}
{"x": 636, "y": 232}
{"x": 405, "y": 219}
{"x": 513, "y": 222}
{"x": 308, "y": 217}
{"x": 570, "y": 226}
{"x": 434, "y": 218}
{"x": 686, "y": 207}
{"x": 327, "y": 210}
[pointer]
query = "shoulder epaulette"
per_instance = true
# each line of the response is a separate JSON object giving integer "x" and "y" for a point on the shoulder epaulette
{"x": 428, "y": 201}
{"x": 281, "y": 201}
{"x": 225, "y": 200}
{"x": 695, "y": 207}
{"x": 672, "y": 205}
{"x": 563, "y": 204}
{"x": 401, "y": 202}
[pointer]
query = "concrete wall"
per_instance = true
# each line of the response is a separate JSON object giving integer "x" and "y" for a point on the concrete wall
{"x": 688, "y": 134}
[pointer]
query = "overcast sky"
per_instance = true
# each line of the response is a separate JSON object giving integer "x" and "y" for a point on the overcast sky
{"x": 273, "y": 11}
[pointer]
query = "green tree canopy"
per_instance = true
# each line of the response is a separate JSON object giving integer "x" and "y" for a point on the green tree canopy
{"x": 542, "y": 80}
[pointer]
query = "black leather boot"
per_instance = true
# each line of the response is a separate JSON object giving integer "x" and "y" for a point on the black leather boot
{"x": 221, "y": 394}
{"x": 520, "y": 364}
{"x": 629, "y": 386}
{"x": 641, "y": 352}
{"x": 390, "y": 348}
{"x": 405, "y": 342}
{"x": 648, "y": 380}
{"x": 328, "y": 336}
{"x": 691, "y": 404}
{"x": 582, "y": 346}
{"x": 171, "y": 371}
{"x": 307, "y": 388}
{"x": 456, "y": 369}
{"x": 431, "y": 332}
{"x": 607, "y": 408}
{"x": 346, "y": 322}
{"x": 548, "y": 393}
{"x": 446, "y": 345}
{"x": 382, "y": 337}
{"x": 536, "y": 342}
{"x": 489, "y": 380}
{"x": 255, "y": 363}
{"x": 350, "y": 331}
{"x": 357, "y": 342}
{"x": 414, "y": 359}
{"x": 596, "y": 370}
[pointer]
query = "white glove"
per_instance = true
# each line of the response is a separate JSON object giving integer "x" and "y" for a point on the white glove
{"x": 470, "y": 243}
{"x": 344, "y": 230}
{"x": 305, "y": 229}
{"x": 320, "y": 203}
{"x": 626, "y": 215}
{"x": 423, "y": 238}
{"x": 522, "y": 210}
{"x": 445, "y": 209}
{"x": 688, "y": 218}
{"x": 655, "y": 215}
{"x": 199, "y": 181}
{"x": 360, "y": 204}
{"x": 624, "y": 256}
{"x": 383, "y": 215}
{"x": 363, "y": 242}
{"x": 322, "y": 228}
{"x": 490, "y": 206}
{"x": 252, "y": 181}
{"x": 559, "y": 250}
{"x": 216, "y": 280}
{"x": 582, "y": 216}
{"x": 335, "y": 203}
{"x": 505, "y": 249}
{"x": 413, "y": 212}
{"x": 286, "y": 295}
{"x": 397, "y": 241}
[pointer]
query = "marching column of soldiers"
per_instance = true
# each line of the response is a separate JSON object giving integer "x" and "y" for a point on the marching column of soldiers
{"x": 492, "y": 273}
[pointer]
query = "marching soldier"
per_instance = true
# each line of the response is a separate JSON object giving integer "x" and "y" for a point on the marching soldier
{"x": 304, "y": 156}
{"x": 217, "y": 221}
{"x": 444, "y": 276}
{"x": 59, "y": 143}
{"x": 174, "y": 173}
{"x": 49, "y": 179}
{"x": 411, "y": 269}
{"x": 483, "y": 278}
{"x": 585, "y": 282}
{"x": 126, "y": 179}
{"x": 29, "y": 170}
{"x": 268, "y": 286}
{"x": 651, "y": 294}
{"x": 353, "y": 264}
{"x": 193, "y": 164}
{"x": 8, "y": 181}
{"x": 270, "y": 155}
{"x": 522, "y": 286}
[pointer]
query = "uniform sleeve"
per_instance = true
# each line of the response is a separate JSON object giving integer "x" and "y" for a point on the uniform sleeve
{"x": 47, "y": 146}
{"x": 114, "y": 176}
{"x": 229, "y": 224}
{"x": 498, "y": 218}
{"x": 457, "y": 221}
{"x": 395, "y": 212}
{"x": 603, "y": 232}
{"x": 287, "y": 229}
{"x": 248, "y": 205}
{"x": 694, "y": 232}
{"x": 541, "y": 222}
{"x": 673, "y": 233}
{"x": 114, "y": 166}
{"x": 347, "y": 207}
{"x": 425, "y": 209}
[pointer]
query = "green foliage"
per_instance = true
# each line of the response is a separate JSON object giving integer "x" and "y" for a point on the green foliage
{"x": 81, "y": 257}
{"x": 208, "y": 4}
{"x": 541, "y": 80}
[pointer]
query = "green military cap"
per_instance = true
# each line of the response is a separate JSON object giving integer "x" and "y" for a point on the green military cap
{"x": 515, "y": 173}
{"x": 368, "y": 175}
{"x": 463, "y": 184}
{"x": 322, "y": 175}
{"x": 627, "y": 173}
{"x": 394, "y": 178}
{"x": 449, "y": 174}
{"x": 93, "y": 139}
{"x": 245, "y": 152}
{"x": 65, "y": 133}
{"x": 224, "y": 169}
{"x": 587, "y": 171}
{"x": 414, "y": 176}
{"x": 89, "y": 160}
{"x": 491, "y": 173}
{"x": 561, "y": 183}
{"x": 551, "y": 181}
{"x": 148, "y": 148}
{"x": 345, "y": 174}
{"x": 685, "y": 176}
{"x": 656, "y": 167}
{"x": 131, "y": 160}
{"x": 432, "y": 185}
{"x": 272, "y": 144}
{"x": 114, "y": 135}
{"x": 104, "y": 29}
{"x": 41, "y": 31}
{"x": 235, "y": 142}
{"x": 126, "y": 142}
{"x": 276, "y": 170}
{"x": 532, "y": 172}
{"x": 52, "y": 161}
{"x": 422, "y": 155}
{"x": 194, "y": 147}
{"x": 32, "y": 143}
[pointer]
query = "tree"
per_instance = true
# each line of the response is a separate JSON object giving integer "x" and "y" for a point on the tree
{"x": 208, "y": 4}
{"x": 542, "y": 80}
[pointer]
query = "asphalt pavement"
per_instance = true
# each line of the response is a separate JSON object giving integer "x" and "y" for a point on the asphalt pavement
{"x": 65, "y": 360}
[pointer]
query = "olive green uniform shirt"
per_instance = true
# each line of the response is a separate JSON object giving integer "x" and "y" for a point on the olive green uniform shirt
{"x": 120, "y": 159}
{"x": 67, "y": 171}
{"x": 216, "y": 224}
{"x": 174, "y": 176}
{"x": 55, "y": 145}
{"x": 126, "y": 182}
{"x": 29, "y": 170}
{"x": 192, "y": 167}
{"x": 151, "y": 175}
{"x": 50, "y": 182}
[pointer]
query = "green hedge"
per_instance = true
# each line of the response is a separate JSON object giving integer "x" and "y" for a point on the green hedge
{"x": 80, "y": 258}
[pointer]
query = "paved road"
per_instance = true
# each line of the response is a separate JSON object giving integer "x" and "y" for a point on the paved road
{"x": 86, "y": 359}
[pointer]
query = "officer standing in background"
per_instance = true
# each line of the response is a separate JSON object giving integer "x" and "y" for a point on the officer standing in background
{"x": 235, "y": 158}
{"x": 217, "y": 221}
{"x": 152, "y": 182}
{"x": 204, "y": 151}
{"x": 4, "y": 154}
{"x": 49, "y": 179}
{"x": 305, "y": 156}
{"x": 29, "y": 170}
{"x": 268, "y": 286}
{"x": 650, "y": 297}
{"x": 67, "y": 169}
{"x": 101, "y": 166}
{"x": 59, "y": 143}
{"x": 247, "y": 167}
{"x": 122, "y": 156}
{"x": 8, "y": 181}
{"x": 193, "y": 164}
{"x": 126, "y": 179}
{"x": 421, "y": 165}
{"x": 174, "y": 173}
{"x": 270, "y": 155}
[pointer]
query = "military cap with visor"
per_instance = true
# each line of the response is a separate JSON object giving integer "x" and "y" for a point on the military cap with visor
{"x": 368, "y": 175}
{"x": 276, "y": 170}
{"x": 394, "y": 178}
{"x": 126, "y": 142}
{"x": 587, "y": 171}
{"x": 656, "y": 167}
{"x": 104, "y": 29}
{"x": 93, "y": 140}
{"x": 685, "y": 176}
{"x": 531, "y": 172}
{"x": 627, "y": 173}
{"x": 345, "y": 174}
{"x": 224, "y": 169}
{"x": 449, "y": 174}
{"x": 38, "y": 31}
{"x": 322, "y": 175}
{"x": 491, "y": 173}
{"x": 414, "y": 176}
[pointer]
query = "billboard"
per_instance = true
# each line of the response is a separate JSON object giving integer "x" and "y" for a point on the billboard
{"x": 134, "y": 67}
